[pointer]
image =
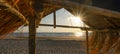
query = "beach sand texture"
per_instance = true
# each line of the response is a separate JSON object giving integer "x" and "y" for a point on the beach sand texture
{"x": 20, "y": 46}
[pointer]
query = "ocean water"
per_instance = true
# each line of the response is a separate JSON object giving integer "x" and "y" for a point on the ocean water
{"x": 43, "y": 34}
{"x": 49, "y": 34}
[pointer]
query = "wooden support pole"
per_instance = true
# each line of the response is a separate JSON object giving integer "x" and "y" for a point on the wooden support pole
{"x": 32, "y": 36}
{"x": 87, "y": 2}
{"x": 87, "y": 42}
{"x": 54, "y": 16}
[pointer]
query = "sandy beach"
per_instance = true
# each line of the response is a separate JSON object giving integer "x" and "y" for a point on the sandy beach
{"x": 20, "y": 46}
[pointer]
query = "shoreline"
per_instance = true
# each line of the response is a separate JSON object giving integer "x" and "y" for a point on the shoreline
{"x": 81, "y": 38}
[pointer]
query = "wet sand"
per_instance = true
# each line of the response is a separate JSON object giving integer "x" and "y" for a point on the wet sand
{"x": 20, "y": 46}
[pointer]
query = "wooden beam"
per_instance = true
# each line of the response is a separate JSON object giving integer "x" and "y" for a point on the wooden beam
{"x": 32, "y": 36}
{"x": 82, "y": 28}
{"x": 38, "y": 18}
{"x": 90, "y": 9}
{"x": 54, "y": 18}
{"x": 64, "y": 26}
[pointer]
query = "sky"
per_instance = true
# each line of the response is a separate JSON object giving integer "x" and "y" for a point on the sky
{"x": 63, "y": 17}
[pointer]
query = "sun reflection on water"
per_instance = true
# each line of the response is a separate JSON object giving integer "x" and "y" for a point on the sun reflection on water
{"x": 78, "y": 34}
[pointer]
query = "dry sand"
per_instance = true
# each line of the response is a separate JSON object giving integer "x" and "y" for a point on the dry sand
{"x": 20, "y": 46}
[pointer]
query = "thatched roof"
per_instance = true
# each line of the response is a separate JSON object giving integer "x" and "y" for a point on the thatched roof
{"x": 101, "y": 15}
{"x": 108, "y": 16}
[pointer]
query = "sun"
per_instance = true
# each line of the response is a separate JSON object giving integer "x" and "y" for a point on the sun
{"x": 76, "y": 21}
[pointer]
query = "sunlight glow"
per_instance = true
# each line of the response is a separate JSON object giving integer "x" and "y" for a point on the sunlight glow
{"x": 78, "y": 34}
{"x": 76, "y": 21}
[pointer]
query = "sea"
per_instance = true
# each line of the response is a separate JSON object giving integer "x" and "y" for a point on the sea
{"x": 49, "y": 34}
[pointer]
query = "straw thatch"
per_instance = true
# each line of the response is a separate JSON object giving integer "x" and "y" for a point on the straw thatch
{"x": 13, "y": 15}
{"x": 104, "y": 22}
{"x": 105, "y": 41}
{"x": 106, "y": 37}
